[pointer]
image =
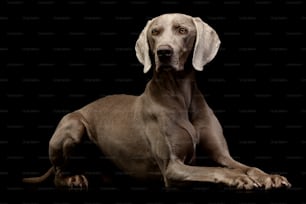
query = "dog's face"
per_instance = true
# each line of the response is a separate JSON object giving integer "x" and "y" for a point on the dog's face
{"x": 169, "y": 39}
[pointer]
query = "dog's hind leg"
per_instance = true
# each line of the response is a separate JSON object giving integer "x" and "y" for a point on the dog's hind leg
{"x": 68, "y": 135}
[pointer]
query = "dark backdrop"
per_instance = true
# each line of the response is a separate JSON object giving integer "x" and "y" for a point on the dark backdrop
{"x": 57, "y": 56}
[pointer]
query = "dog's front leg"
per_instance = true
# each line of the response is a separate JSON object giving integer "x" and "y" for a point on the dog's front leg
{"x": 213, "y": 142}
{"x": 178, "y": 173}
{"x": 173, "y": 148}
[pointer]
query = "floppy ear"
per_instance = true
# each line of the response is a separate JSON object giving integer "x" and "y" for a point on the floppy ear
{"x": 142, "y": 48}
{"x": 206, "y": 46}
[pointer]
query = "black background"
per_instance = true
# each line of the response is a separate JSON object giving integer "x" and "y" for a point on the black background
{"x": 57, "y": 56}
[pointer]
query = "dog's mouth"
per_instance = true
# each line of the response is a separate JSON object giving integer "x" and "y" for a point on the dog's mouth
{"x": 166, "y": 63}
{"x": 166, "y": 66}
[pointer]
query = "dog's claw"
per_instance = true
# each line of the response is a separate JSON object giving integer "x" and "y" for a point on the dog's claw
{"x": 286, "y": 184}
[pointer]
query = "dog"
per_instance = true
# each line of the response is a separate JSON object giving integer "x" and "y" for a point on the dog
{"x": 154, "y": 136}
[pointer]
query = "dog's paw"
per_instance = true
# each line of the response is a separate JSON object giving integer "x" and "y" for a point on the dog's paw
{"x": 71, "y": 183}
{"x": 77, "y": 182}
{"x": 276, "y": 181}
{"x": 243, "y": 182}
{"x": 268, "y": 181}
{"x": 238, "y": 180}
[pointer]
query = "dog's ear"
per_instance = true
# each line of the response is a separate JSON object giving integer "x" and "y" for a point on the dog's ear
{"x": 142, "y": 48}
{"x": 206, "y": 46}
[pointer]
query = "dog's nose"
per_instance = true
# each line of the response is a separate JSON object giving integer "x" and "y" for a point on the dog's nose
{"x": 164, "y": 51}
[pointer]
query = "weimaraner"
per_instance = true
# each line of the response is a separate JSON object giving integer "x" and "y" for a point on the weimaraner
{"x": 155, "y": 135}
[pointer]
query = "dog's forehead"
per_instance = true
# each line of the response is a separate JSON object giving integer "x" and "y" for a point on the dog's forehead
{"x": 172, "y": 19}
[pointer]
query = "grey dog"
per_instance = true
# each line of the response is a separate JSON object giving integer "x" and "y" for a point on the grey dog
{"x": 155, "y": 135}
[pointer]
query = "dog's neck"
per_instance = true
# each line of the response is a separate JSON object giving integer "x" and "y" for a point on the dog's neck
{"x": 176, "y": 86}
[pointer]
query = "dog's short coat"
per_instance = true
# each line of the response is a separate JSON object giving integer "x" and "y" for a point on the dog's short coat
{"x": 155, "y": 135}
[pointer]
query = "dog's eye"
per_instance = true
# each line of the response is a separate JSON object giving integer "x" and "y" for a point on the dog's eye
{"x": 182, "y": 30}
{"x": 155, "y": 31}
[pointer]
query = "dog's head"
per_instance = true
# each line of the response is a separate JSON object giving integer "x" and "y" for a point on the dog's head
{"x": 170, "y": 38}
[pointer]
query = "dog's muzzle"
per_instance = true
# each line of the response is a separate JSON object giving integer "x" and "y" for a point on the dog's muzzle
{"x": 164, "y": 54}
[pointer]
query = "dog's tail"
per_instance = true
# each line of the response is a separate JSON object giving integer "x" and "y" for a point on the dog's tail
{"x": 39, "y": 179}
